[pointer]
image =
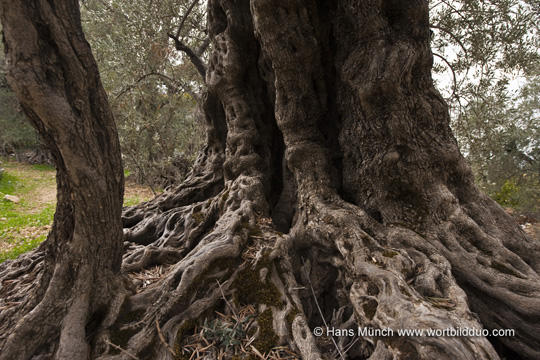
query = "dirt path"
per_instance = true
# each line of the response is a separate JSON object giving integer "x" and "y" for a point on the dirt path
{"x": 24, "y": 225}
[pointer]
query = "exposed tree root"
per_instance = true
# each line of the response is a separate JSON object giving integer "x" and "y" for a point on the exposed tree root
{"x": 330, "y": 210}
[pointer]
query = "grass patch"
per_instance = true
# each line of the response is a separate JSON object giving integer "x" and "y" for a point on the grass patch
{"x": 8, "y": 184}
{"x": 21, "y": 249}
{"x": 133, "y": 200}
{"x": 17, "y": 225}
{"x": 25, "y": 225}
{"x": 43, "y": 167}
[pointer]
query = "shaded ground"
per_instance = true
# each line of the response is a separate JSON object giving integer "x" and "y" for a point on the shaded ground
{"x": 529, "y": 223}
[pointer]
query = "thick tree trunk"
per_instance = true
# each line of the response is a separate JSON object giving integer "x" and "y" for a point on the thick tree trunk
{"x": 79, "y": 286}
{"x": 331, "y": 194}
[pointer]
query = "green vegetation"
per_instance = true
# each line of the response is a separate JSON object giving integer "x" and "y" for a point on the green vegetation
{"x": 25, "y": 225}
{"x": 21, "y": 249}
{"x": 153, "y": 93}
{"x": 251, "y": 290}
{"x": 225, "y": 333}
{"x": 41, "y": 167}
{"x": 267, "y": 338}
{"x": 8, "y": 183}
{"x": 134, "y": 200}
{"x": 489, "y": 72}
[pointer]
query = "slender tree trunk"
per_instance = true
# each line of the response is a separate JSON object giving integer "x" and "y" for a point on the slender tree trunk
{"x": 51, "y": 68}
{"x": 331, "y": 194}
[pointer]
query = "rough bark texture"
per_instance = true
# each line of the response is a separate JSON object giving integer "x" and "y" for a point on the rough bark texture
{"x": 331, "y": 192}
{"x": 72, "y": 284}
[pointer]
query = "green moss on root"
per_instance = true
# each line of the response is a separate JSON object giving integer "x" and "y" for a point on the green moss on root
{"x": 251, "y": 290}
{"x": 291, "y": 315}
{"x": 198, "y": 217}
{"x": 389, "y": 253}
{"x": 405, "y": 291}
{"x": 370, "y": 308}
{"x": 267, "y": 338}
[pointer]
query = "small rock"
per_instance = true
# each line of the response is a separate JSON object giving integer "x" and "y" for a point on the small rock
{"x": 3, "y": 219}
{"x": 14, "y": 199}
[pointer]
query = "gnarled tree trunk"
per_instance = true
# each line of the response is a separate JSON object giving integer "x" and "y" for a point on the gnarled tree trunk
{"x": 72, "y": 285}
{"x": 331, "y": 192}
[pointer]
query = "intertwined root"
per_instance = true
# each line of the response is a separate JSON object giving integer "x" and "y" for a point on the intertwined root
{"x": 339, "y": 270}
{"x": 218, "y": 271}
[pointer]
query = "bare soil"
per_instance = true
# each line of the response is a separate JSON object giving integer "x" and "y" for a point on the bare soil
{"x": 37, "y": 190}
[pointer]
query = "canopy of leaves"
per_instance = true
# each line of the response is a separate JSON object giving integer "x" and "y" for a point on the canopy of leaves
{"x": 15, "y": 132}
{"x": 490, "y": 51}
{"x": 153, "y": 88}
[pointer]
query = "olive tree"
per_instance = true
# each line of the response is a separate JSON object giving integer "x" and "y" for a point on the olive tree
{"x": 331, "y": 191}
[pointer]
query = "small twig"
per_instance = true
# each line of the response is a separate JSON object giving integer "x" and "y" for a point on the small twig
{"x": 185, "y": 17}
{"x": 226, "y": 301}
{"x": 176, "y": 83}
{"x": 454, "y": 88}
{"x": 257, "y": 352}
{"x": 321, "y": 313}
{"x": 163, "y": 339}
{"x": 122, "y": 350}
{"x": 349, "y": 347}
{"x": 193, "y": 57}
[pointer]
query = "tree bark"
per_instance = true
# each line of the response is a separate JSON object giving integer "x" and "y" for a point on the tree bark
{"x": 78, "y": 286}
{"x": 332, "y": 194}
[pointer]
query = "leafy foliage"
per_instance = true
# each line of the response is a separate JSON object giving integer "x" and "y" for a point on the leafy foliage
{"x": 15, "y": 132}
{"x": 490, "y": 51}
{"x": 225, "y": 333}
{"x": 22, "y": 226}
{"x": 153, "y": 88}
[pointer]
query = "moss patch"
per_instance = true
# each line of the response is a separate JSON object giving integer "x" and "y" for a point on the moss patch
{"x": 251, "y": 290}
{"x": 267, "y": 338}
{"x": 405, "y": 291}
{"x": 389, "y": 253}
{"x": 252, "y": 230}
{"x": 184, "y": 329}
{"x": 370, "y": 308}
{"x": 291, "y": 315}
{"x": 225, "y": 195}
{"x": 198, "y": 217}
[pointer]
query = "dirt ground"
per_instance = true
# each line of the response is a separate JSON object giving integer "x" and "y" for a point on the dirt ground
{"x": 37, "y": 191}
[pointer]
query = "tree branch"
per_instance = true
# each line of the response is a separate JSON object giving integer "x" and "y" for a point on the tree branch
{"x": 195, "y": 59}
{"x": 453, "y": 73}
{"x": 182, "y": 22}
{"x": 454, "y": 37}
{"x": 176, "y": 83}
{"x": 194, "y": 56}
{"x": 202, "y": 48}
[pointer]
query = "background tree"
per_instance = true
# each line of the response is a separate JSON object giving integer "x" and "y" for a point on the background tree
{"x": 75, "y": 282}
{"x": 490, "y": 50}
{"x": 153, "y": 88}
{"x": 16, "y": 133}
{"x": 330, "y": 180}
{"x": 503, "y": 147}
